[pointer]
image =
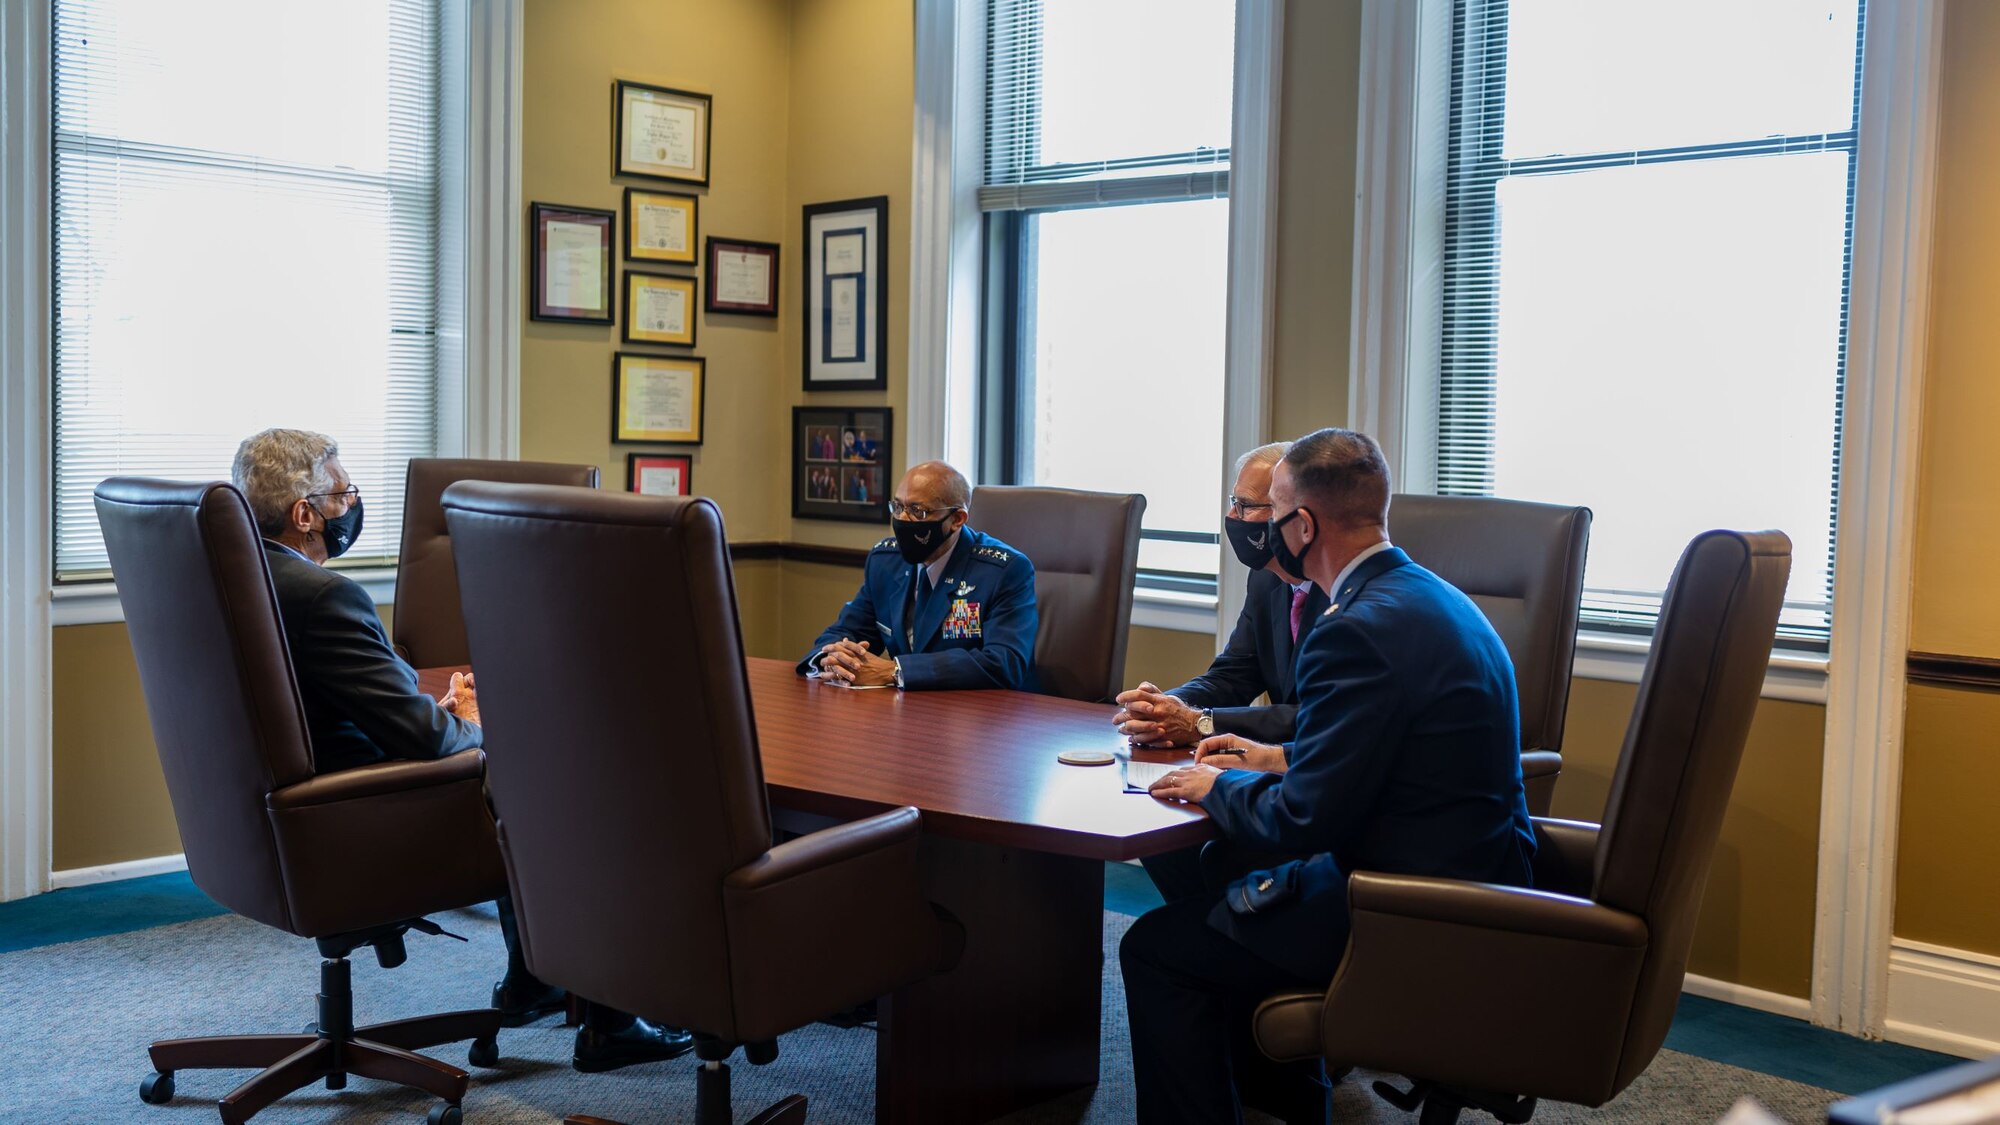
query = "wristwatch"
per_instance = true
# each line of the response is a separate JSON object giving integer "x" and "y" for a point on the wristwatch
{"x": 1204, "y": 724}
{"x": 899, "y": 673}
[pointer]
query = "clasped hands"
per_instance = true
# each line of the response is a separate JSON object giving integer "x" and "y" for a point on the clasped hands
{"x": 461, "y": 698}
{"x": 850, "y": 662}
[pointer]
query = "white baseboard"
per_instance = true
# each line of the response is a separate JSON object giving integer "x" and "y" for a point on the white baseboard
{"x": 112, "y": 872}
{"x": 1742, "y": 995}
{"x": 1943, "y": 999}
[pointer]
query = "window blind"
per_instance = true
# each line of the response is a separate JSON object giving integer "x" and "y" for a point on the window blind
{"x": 245, "y": 233}
{"x": 1020, "y": 176}
{"x": 1526, "y": 150}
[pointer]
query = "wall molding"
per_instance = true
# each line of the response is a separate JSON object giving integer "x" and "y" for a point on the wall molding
{"x": 1943, "y": 999}
{"x": 113, "y": 872}
{"x": 26, "y": 487}
{"x": 1981, "y": 672}
{"x": 494, "y": 215}
{"x": 947, "y": 145}
{"x": 1744, "y": 996}
{"x": 1895, "y": 177}
{"x": 1249, "y": 344}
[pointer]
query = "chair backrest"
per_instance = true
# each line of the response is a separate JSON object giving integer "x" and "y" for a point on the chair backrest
{"x": 622, "y": 758}
{"x": 1522, "y": 564}
{"x": 1085, "y": 547}
{"x": 1678, "y": 764}
{"x": 428, "y": 624}
{"x": 227, "y": 718}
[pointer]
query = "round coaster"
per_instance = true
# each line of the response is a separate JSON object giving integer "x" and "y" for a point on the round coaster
{"x": 1086, "y": 758}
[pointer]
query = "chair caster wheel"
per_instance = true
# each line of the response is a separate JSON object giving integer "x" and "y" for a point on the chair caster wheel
{"x": 445, "y": 1113}
{"x": 484, "y": 1053}
{"x": 157, "y": 1088}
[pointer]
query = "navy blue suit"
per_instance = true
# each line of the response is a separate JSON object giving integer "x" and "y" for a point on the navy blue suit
{"x": 1257, "y": 660}
{"x": 976, "y": 629}
{"x": 1407, "y": 760}
{"x": 361, "y": 699}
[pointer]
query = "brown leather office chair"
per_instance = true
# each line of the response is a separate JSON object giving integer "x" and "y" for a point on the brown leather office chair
{"x": 329, "y": 858}
{"x": 428, "y": 625}
{"x": 1085, "y": 547}
{"x": 619, "y": 707}
{"x": 1596, "y": 953}
{"x": 1522, "y": 564}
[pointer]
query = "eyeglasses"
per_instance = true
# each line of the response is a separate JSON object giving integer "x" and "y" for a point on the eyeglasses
{"x": 352, "y": 494}
{"x": 1239, "y": 507}
{"x": 903, "y": 511}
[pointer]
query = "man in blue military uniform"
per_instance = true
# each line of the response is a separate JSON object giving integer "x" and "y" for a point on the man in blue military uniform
{"x": 940, "y": 606}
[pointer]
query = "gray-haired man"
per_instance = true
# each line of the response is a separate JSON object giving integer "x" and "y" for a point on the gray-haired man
{"x": 362, "y": 702}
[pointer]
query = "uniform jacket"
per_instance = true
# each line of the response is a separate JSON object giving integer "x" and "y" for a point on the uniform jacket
{"x": 1407, "y": 761}
{"x": 1257, "y": 659}
{"x": 975, "y": 630}
{"x": 361, "y": 699}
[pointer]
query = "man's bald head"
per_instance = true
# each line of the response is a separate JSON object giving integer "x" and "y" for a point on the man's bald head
{"x": 934, "y": 484}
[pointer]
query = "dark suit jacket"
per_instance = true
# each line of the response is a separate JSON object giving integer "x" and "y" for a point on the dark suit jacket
{"x": 975, "y": 630}
{"x": 1257, "y": 659}
{"x": 361, "y": 699}
{"x": 1407, "y": 761}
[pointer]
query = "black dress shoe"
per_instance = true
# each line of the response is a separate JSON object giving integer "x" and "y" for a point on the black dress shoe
{"x": 860, "y": 1015}
{"x": 599, "y": 1051}
{"x": 522, "y": 1002}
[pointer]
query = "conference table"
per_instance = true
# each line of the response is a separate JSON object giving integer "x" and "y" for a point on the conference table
{"x": 1014, "y": 846}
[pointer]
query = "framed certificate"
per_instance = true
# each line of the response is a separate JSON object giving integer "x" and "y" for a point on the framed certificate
{"x": 658, "y": 474}
{"x": 659, "y": 309}
{"x": 656, "y": 398}
{"x": 570, "y": 266}
{"x": 841, "y": 461}
{"x": 742, "y": 277}
{"x": 660, "y": 133}
{"x": 660, "y": 226}
{"x": 847, "y": 283}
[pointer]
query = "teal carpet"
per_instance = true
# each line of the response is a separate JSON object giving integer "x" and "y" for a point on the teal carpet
{"x": 1747, "y": 1044}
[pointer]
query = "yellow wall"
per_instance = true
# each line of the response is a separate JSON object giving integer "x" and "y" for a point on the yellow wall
{"x": 1950, "y": 841}
{"x": 109, "y": 795}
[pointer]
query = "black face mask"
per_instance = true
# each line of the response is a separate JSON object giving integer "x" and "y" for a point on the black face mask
{"x": 918, "y": 540}
{"x": 1251, "y": 540}
{"x": 341, "y": 533}
{"x": 1294, "y": 562}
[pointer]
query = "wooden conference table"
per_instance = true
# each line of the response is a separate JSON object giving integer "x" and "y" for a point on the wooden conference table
{"x": 1014, "y": 846}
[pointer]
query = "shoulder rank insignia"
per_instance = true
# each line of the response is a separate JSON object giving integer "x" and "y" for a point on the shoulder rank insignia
{"x": 992, "y": 554}
{"x": 889, "y": 542}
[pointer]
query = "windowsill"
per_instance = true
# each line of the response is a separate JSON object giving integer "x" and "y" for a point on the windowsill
{"x": 1796, "y": 676}
{"x": 96, "y": 603}
{"x": 1165, "y": 609}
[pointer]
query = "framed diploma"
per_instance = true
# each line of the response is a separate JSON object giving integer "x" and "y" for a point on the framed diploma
{"x": 841, "y": 463}
{"x": 658, "y": 474}
{"x": 847, "y": 285}
{"x": 659, "y": 309}
{"x": 660, "y": 133}
{"x": 656, "y": 398}
{"x": 660, "y": 226}
{"x": 570, "y": 267}
{"x": 742, "y": 277}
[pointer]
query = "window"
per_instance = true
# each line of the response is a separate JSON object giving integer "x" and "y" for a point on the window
{"x": 1648, "y": 228}
{"x": 1107, "y": 222}
{"x": 246, "y": 232}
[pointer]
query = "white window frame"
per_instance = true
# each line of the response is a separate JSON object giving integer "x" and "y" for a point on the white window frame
{"x": 1399, "y": 180}
{"x": 479, "y": 417}
{"x": 945, "y": 261}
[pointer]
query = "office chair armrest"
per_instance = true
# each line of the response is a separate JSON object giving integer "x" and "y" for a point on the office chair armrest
{"x": 1540, "y": 763}
{"x": 828, "y": 847}
{"x": 828, "y": 920}
{"x": 1565, "y": 855}
{"x": 378, "y": 779}
{"x": 1434, "y": 965}
{"x": 1491, "y": 907}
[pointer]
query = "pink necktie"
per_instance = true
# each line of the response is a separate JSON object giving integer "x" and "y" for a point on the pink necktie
{"x": 1298, "y": 607}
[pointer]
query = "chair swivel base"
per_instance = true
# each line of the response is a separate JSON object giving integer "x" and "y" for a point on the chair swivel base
{"x": 287, "y": 1063}
{"x": 1441, "y": 1105}
{"x": 711, "y": 1093}
{"x": 787, "y": 1111}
